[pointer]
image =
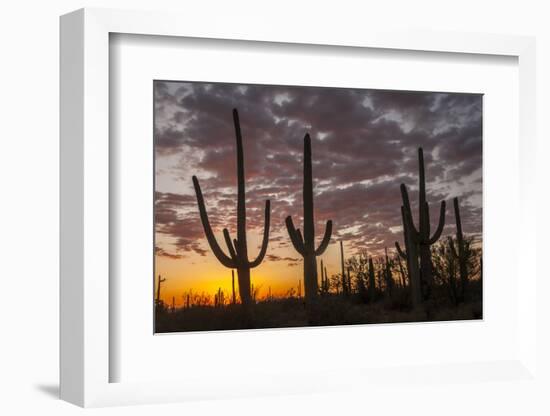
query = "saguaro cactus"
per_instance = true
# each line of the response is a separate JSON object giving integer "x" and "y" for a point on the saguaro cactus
{"x": 305, "y": 245}
{"x": 233, "y": 297}
{"x": 324, "y": 279}
{"x": 159, "y": 282}
{"x": 419, "y": 240}
{"x": 388, "y": 273}
{"x": 460, "y": 254}
{"x": 219, "y": 299}
{"x": 372, "y": 282}
{"x": 360, "y": 284}
{"x": 345, "y": 285}
{"x": 401, "y": 271}
{"x": 238, "y": 249}
{"x": 254, "y": 293}
{"x": 410, "y": 255}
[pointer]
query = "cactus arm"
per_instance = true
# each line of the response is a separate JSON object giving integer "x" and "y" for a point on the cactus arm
{"x": 295, "y": 236}
{"x": 218, "y": 252}
{"x": 405, "y": 197}
{"x": 407, "y": 210}
{"x": 232, "y": 251}
{"x": 399, "y": 251}
{"x": 441, "y": 224}
{"x": 410, "y": 228}
{"x": 301, "y": 238}
{"x": 326, "y": 239}
{"x": 265, "y": 240}
{"x": 405, "y": 227}
{"x": 426, "y": 230}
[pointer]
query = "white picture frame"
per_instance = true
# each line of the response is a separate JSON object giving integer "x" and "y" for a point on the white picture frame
{"x": 85, "y": 210}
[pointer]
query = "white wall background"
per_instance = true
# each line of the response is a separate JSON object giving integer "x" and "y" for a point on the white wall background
{"x": 29, "y": 56}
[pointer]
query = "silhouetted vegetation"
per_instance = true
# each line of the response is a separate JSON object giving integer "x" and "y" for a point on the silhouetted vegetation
{"x": 330, "y": 309}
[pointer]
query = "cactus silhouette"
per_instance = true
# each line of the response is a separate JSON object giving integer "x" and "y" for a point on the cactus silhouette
{"x": 345, "y": 285}
{"x": 238, "y": 250}
{"x": 360, "y": 284}
{"x": 219, "y": 298}
{"x": 326, "y": 286}
{"x": 372, "y": 282}
{"x": 159, "y": 282}
{"x": 324, "y": 279}
{"x": 401, "y": 270}
{"x": 460, "y": 254}
{"x": 388, "y": 273}
{"x": 418, "y": 241}
{"x": 410, "y": 255}
{"x": 305, "y": 245}
{"x": 233, "y": 297}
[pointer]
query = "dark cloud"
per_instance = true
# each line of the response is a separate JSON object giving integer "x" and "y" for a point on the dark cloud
{"x": 364, "y": 145}
{"x": 288, "y": 259}
{"x": 163, "y": 253}
{"x": 176, "y": 216}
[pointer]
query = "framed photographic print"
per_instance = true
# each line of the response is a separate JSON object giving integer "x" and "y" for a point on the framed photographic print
{"x": 268, "y": 198}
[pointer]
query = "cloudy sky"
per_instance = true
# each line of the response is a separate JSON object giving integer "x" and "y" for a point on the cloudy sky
{"x": 364, "y": 145}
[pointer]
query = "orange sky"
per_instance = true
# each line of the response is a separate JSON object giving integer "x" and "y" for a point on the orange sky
{"x": 205, "y": 273}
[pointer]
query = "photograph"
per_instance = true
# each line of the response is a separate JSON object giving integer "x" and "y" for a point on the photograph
{"x": 280, "y": 206}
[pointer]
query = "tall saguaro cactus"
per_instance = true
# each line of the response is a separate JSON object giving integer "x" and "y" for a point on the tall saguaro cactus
{"x": 410, "y": 255}
{"x": 388, "y": 273}
{"x": 371, "y": 291}
{"x": 418, "y": 241}
{"x": 460, "y": 254}
{"x": 324, "y": 279}
{"x": 233, "y": 297}
{"x": 159, "y": 282}
{"x": 238, "y": 249}
{"x": 305, "y": 245}
{"x": 345, "y": 283}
